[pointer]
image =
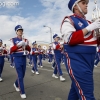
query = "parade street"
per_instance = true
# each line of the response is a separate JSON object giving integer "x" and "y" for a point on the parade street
{"x": 41, "y": 87}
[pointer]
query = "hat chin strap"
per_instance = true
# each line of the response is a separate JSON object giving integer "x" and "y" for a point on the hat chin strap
{"x": 80, "y": 9}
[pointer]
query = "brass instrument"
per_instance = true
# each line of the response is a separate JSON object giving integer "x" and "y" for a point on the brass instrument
{"x": 95, "y": 16}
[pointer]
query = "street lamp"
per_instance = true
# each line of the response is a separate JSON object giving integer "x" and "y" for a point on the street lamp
{"x": 50, "y": 32}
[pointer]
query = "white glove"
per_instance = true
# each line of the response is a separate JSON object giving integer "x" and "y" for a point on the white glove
{"x": 94, "y": 25}
{"x": 61, "y": 43}
{"x": 41, "y": 50}
{"x": 36, "y": 51}
{"x": 1, "y": 48}
{"x": 26, "y": 43}
{"x": 21, "y": 43}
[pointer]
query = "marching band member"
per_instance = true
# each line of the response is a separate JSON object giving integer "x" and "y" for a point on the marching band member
{"x": 44, "y": 54}
{"x": 57, "y": 57}
{"x": 2, "y": 56}
{"x": 34, "y": 53}
{"x": 5, "y": 47}
{"x": 19, "y": 47}
{"x": 50, "y": 54}
{"x": 79, "y": 49}
{"x": 40, "y": 56}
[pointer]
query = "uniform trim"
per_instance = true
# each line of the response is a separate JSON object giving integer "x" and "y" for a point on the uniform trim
{"x": 73, "y": 77}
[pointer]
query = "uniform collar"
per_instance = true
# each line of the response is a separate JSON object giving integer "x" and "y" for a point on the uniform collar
{"x": 79, "y": 16}
{"x": 19, "y": 37}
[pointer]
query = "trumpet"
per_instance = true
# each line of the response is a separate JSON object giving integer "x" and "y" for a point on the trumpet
{"x": 95, "y": 16}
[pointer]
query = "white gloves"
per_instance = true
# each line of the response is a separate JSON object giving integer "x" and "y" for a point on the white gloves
{"x": 41, "y": 50}
{"x": 36, "y": 51}
{"x": 94, "y": 25}
{"x": 26, "y": 43}
{"x": 61, "y": 43}
{"x": 21, "y": 43}
{"x": 1, "y": 48}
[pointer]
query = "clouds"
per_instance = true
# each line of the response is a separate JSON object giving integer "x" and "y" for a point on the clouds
{"x": 54, "y": 3}
{"x": 54, "y": 13}
{"x": 33, "y": 29}
{"x": 51, "y": 14}
{"x": 9, "y": 3}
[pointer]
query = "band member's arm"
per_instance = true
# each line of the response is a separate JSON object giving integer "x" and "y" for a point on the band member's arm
{"x": 13, "y": 48}
{"x": 77, "y": 37}
{"x": 28, "y": 48}
{"x": 36, "y": 52}
{"x": 4, "y": 52}
{"x": 41, "y": 52}
{"x": 32, "y": 52}
{"x": 56, "y": 47}
{"x": 70, "y": 35}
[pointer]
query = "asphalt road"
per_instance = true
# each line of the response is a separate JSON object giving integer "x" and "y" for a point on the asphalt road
{"x": 43, "y": 86}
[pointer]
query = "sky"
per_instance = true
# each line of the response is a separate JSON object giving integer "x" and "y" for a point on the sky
{"x": 33, "y": 15}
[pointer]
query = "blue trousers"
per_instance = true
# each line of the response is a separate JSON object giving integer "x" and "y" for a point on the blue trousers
{"x": 57, "y": 65}
{"x": 8, "y": 57}
{"x": 11, "y": 60}
{"x": 28, "y": 56}
{"x": 30, "y": 59}
{"x": 1, "y": 64}
{"x": 50, "y": 57}
{"x": 97, "y": 58}
{"x": 80, "y": 68}
{"x": 20, "y": 65}
{"x": 34, "y": 59}
{"x": 40, "y": 60}
{"x": 43, "y": 56}
{"x": 62, "y": 57}
{"x": 54, "y": 64}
